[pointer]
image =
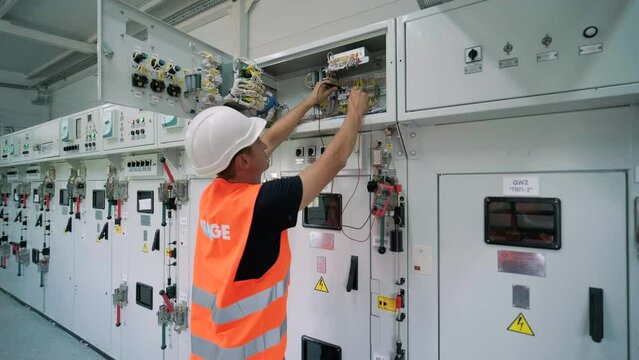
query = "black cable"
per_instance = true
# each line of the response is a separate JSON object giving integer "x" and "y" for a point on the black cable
{"x": 370, "y": 232}
{"x": 358, "y": 176}
{"x": 364, "y": 224}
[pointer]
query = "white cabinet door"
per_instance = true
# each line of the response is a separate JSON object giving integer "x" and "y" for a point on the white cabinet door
{"x": 476, "y": 299}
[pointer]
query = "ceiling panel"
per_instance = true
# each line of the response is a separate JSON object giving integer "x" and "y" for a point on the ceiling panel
{"x": 73, "y": 19}
{"x": 22, "y": 56}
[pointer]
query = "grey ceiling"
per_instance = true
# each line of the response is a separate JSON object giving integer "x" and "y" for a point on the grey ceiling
{"x": 28, "y": 61}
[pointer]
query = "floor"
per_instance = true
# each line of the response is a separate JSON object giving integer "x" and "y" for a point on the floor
{"x": 25, "y": 335}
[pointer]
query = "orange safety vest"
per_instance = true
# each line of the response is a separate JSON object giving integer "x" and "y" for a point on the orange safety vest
{"x": 235, "y": 319}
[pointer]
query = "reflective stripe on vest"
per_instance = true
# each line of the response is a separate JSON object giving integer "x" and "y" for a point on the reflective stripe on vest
{"x": 242, "y": 308}
{"x": 211, "y": 351}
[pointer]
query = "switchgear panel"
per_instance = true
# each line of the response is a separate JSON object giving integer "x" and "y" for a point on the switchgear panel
{"x": 125, "y": 127}
{"x": 45, "y": 140}
{"x": 23, "y": 145}
{"x": 171, "y": 129}
{"x": 143, "y": 166}
{"x": 79, "y": 134}
{"x": 8, "y": 148}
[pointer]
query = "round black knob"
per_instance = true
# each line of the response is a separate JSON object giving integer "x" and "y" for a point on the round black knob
{"x": 132, "y": 132}
{"x": 128, "y": 164}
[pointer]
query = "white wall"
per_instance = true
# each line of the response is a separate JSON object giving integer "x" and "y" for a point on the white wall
{"x": 277, "y": 25}
{"x": 16, "y": 110}
{"x": 219, "y": 34}
{"x": 75, "y": 97}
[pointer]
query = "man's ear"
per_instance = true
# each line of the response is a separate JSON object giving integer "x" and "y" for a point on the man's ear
{"x": 241, "y": 161}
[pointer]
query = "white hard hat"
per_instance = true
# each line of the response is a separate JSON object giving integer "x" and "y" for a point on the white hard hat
{"x": 215, "y": 135}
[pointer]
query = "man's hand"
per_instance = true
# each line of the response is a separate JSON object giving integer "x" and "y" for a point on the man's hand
{"x": 357, "y": 101}
{"x": 322, "y": 90}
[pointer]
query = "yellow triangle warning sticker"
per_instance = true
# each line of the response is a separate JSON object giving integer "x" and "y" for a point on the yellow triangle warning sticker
{"x": 520, "y": 325}
{"x": 321, "y": 285}
{"x": 145, "y": 249}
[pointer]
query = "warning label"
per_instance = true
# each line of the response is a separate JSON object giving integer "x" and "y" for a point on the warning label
{"x": 386, "y": 303}
{"x": 321, "y": 285}
{"x": 145, "y": 249}
{"x": 520, "y": 325}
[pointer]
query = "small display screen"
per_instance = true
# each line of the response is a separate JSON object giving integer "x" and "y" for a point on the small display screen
{"x": 144, "y": 295}
{"x": 16, "y": 197}
{"x": 325, "y": 212}
{"x": 64, "y": 197}
{"x": 78, "y": 128}
{"x": 528, "y": 222}
{"x": 98, "y": 199}
{"x": 145, "y": 202}
{"x": 36, "y": 196}
{"x": 313, "y": 349}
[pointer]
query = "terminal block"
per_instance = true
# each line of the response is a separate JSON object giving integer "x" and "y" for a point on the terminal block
{"x": 181, "y": 316}
{"x": 120, "y": 296}
{"x": 23, "y": 257}
{"x": 47, "y": 189}
{"x": 23, "y": 191}
{"x": 117, "y": 191}
{"x": 5, "y": 190}
{"x": 165, "y": 318}
{"x": 76, "y": 187}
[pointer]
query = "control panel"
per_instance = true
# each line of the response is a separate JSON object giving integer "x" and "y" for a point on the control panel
{"x": 143, "y": 166}
{"x": 171, "y": 128}
{"x": 124, "y": 127}
{"x": 298, "y": 154}
{"x": 13, "y": 174}
{"x": 23, "y": 145}
{"x": 8, "y": 148}
{"x": 45, "y": 140}
{"x": 33, "y": 173}
{"x": 79, "y": 133}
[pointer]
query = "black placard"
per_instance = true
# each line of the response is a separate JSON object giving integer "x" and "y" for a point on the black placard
{"x": 324, "y": 213}
{"x": 144, "y": 295}
{"x": 146, "y": 201}
{"x": 314, "y": 349}
{"x": 520, "y": 221}
{"x": 98, "y": 199}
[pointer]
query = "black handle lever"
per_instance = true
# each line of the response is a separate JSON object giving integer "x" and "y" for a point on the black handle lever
{"x": 68, "y": 227}
{"x": 156, "y": 241}
{"x": 104, "y": 234}
{"x": 39, "y": 221}
{"x": 596, "y": 314}
{"x": 18, "y": 217}
{"x": 352, "y": 275}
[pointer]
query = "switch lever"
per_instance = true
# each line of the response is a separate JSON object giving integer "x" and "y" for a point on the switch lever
{"x": 352, "y": 275}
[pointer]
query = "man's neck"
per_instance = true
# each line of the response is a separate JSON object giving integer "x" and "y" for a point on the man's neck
{"x": 245, "y": 179}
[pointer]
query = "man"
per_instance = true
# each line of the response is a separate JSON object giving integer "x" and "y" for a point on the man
{"x": 242, "y": 255}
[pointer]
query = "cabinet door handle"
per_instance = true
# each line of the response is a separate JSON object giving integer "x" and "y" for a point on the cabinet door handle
{"x": 596, "y": 314}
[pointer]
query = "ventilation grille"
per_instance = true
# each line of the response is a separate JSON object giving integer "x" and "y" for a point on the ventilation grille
{"x": 191, "y": 11}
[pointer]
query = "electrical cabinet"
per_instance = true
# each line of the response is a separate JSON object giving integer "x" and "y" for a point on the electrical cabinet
{"x": 91, "y": 281}
{"x": 59, "y": 294}
{"x": 46, "y": 140}
{"x": 364, "y": 57}
{"x": 7, "y": 148}
{"x": 147, "y": 64}
{"x": 480, "y": 281}
{"x": 126, "y": 128}
{"x": 23, "y": 141}
{"x": 79, "y": 135}
{"x": 171, "y": 130}
{"x": 472, "y": 60}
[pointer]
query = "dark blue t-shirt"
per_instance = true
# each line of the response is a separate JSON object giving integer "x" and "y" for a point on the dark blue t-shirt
{"x": 276, "y": 210}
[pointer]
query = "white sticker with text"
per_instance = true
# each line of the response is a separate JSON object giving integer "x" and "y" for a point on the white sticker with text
{"x": 521, "y": 186}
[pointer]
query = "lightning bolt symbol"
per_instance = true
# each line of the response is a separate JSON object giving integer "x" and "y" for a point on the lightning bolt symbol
{"x": 519, "y": 323}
